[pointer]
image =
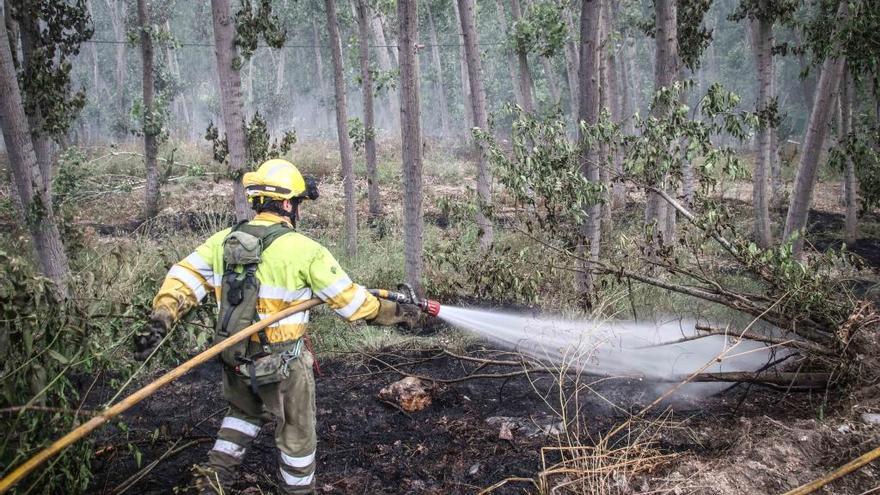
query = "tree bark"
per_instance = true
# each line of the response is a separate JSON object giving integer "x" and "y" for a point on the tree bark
{"x": 29, "y": 31}
{"x": 230, "y": 102}
{"x": 465, "y": 85}
{"x": 525, "y": 76}
{"x": 438, "y": 73}
{"x": 342, "y": 130}
{"x": 552, "y": 83}
{"x": 392, "y": 95}
{"x": 117, "y": 10}
{"x": 151, "y": 147}
{"x": 375, "y": 208}
{"x": 588, "y": 113}
{"x": 411, "y": 137}
{"x": 665, "y": 71}
{"x": 851, "y": 185}
{"x": 808, "y": 164}
{"x": 322, "y": 82}
{"x": 481, "y": 119}
{"x": 571, "y": 64}
{"x": 762, "y": 43}
{"x": 511, "y": 57}
{"x": 34, "y": 200}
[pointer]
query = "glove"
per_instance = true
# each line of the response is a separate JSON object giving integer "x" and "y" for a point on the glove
{"x": 153, "y": 333}
{"x": 392, "y": 313}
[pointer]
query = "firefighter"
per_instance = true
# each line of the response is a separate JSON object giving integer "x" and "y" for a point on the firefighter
{"x": 270, "y": 375}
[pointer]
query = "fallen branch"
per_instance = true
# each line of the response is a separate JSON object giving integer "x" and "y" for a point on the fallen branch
{"x": 769, "y": 378}
{"x": 847, "y": 468}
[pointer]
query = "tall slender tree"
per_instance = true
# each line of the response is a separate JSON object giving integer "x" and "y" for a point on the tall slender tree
{"x": 33, "y": 198}
{"x": 342, "y": 129}
{"x": 150, "y": 124}
{"x": 375, "y": 208}
{"x": 526, "y": 84}
{"x": 665, "y": 72}
{"x": 850, "y": 182}
{"x": 231, "y": 105}
{"x": 808, "y": 164}
{"x": 463, "y": 68}
{"x": 439, "y": 86}
{"x": 588, "y": 113}
{"x": 511, "y": 57}
{"x": 481, "y": 119}
{"x": 411, "y": 137}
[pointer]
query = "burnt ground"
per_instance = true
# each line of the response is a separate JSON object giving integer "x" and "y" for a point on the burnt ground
{"x": 367, "y": 446}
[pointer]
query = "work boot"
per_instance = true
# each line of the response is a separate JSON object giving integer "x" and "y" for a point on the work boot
{"x": 207, "y": 482}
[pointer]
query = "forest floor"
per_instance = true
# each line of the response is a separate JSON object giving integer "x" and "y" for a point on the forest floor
{"x": 740, "y": 440}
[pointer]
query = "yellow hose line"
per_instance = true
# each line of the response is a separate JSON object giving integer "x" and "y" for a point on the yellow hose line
{"x": 84, "y": 429}
{"x": 847, "y": 468}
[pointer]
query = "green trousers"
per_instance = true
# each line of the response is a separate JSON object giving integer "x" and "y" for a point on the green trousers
{"x": 292, "y": 403}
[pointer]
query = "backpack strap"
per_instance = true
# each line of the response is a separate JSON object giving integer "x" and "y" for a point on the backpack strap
{"x": 267, "y": 235}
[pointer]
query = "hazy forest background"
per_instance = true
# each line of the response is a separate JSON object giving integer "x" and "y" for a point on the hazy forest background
{"x": 707, "y": 160}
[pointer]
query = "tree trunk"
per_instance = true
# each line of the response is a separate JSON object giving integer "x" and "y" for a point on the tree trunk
{"x": 151, "y": 147}
{"x": 230, "y": 102}
{"x": 392, "y": 95}
{"x": 762, "y": 43}
{"x": 511, "y": 57}
{"x": 465, "y": 85}
{"x": 438, "y": 72}
{"x": 375, "y": 208}
{"x": 411, "y": 137}
{"x": 851, "y": 185}
{"x": 525, "y": 77}
{"x": 481, "y": 119}
{"x": 610, "y": 90}
{"x": 571, "y": 64}
{"x": 552, "y": 83}
{"x": 34, "y": 200}
{"x": 30, "y": 40}
{"x": 342, "y": 130}
{"x": 322, "y": 82}
{"x": 588, "y": 113}
{"x": 665, "y": 71}
{"x": 808, "y": 164}
{"x": 117, "y": 10}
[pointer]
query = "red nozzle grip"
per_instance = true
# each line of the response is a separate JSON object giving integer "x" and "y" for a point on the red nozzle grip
{"x": 431, "y": 307}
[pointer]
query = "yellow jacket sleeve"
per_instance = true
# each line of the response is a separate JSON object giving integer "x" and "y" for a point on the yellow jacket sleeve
{"x": 332, "y": 285}
{"x": 189, "y": 280}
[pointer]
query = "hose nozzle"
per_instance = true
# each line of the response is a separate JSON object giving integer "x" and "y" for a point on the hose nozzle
{"x": 407, "y": 295}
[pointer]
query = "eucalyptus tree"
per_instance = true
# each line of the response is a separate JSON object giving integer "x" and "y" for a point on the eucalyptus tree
{"x": 481, "y": 120}
{"x": 411, "y": 137}
{"x": 511, "y": 58}
{"x": 363, "y": 18}
{"x": 231, "y": 34}
{"x": 345, "y": 153}
{"x": 521, "y": 44}
{"x": 830, "y": 75}
{"x": 666, "y": 71}
{"x": 231, "y": 104}
{"x": 32, "y": 114}
{"x": 151, "y": 128}
{"x": 439, "y": 79}
{"x": 588, "y": 115}
{"x": 762, "y": 15}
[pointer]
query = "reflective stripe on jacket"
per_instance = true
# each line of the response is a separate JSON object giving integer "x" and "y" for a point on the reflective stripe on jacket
{"x": 293, "y": 269}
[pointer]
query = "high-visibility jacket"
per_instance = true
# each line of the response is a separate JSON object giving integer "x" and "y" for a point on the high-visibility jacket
{"x": 293, "y": 268}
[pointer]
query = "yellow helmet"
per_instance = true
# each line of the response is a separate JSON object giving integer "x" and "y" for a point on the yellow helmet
{"x": 274, "y": 179}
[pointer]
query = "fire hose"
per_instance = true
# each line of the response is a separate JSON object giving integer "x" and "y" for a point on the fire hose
{"x": 408, "y": 297}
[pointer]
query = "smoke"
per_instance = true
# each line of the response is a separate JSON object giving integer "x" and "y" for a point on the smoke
{"x": 616, "y": 348}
